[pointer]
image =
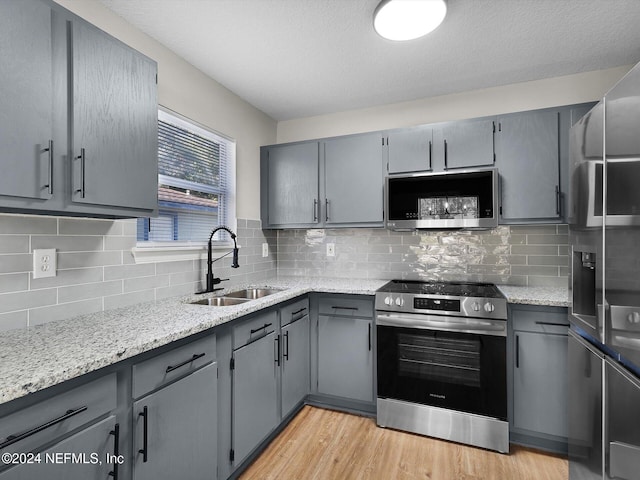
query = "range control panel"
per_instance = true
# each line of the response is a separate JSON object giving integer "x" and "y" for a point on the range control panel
{"x": 445, "y": 305}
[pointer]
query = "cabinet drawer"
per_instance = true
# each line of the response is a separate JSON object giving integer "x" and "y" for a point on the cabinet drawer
{"x": 254, "y": 328}
{"x": 157, "y": 371}
{"x": 294, "y": 311}
{"x": 540, "y": 320}
{"x": 45, "y": 421}
{"x": 346, "y": 306}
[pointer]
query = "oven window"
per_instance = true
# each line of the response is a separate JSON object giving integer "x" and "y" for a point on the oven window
{"x": 454, "y": 360}
{"x": 458, "y": 371}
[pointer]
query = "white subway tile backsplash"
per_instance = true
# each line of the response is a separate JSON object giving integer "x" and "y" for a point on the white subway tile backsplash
{"x": 97, "y": 271}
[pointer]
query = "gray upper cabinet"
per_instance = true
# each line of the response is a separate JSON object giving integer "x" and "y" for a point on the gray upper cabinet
{"x": 464, "y": 144}
{"x": 26, "y": 113}
{"x": 334, "y": 183}
{"x": 115, "y": 122}
{"x": 290, "y": 194}
{"x": 78, "y": 133}
{"x": 186, "y": 409}
{"x": 527, "y": 157}
{"x": 410, "y": 149}
{"x": 353, "y": 180}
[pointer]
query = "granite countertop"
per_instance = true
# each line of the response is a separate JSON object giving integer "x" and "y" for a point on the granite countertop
{"x": 548, "y": 296}
{"x": 36, "y": 358}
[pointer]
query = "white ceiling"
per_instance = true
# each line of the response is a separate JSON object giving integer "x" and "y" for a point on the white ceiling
{"x": 298, "y": 58}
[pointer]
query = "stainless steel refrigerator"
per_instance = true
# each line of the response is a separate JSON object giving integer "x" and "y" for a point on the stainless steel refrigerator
{"x": 604, "y": 344}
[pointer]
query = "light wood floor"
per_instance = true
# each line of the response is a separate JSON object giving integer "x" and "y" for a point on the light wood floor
{"x": 323, "y": 444}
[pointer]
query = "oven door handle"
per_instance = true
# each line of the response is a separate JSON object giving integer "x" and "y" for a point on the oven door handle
{"x": 478, "y": 326}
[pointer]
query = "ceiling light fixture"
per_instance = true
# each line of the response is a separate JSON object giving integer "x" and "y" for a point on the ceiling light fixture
{"x": 408, "y": 19}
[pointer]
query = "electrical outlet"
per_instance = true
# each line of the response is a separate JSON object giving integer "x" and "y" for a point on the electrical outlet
{"x": 331, "y": 249}
{"x": 44, "y": 263}
{"x": 265, "y": 250}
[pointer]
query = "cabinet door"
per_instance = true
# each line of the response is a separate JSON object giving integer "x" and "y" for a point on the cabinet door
{"x": 467, "y": 143}
{"x": 181, "y": 429}
{"x": 292, "y": 184}
{"x": 295, "y": 363}
{"x": 345, "y": 358}
{"x": 255, "y": 396}
{"x": 114, "y": 123}
{"x": 26, "y": 112}
{"x": 540, "y": 383}
{"x": 527, "y": 157}
{"x": 90, "y": 446}
{"x": 410, "y": 150}
{"x": 353, "y": 180}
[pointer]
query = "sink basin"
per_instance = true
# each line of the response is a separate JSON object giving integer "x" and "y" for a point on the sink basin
{"x": 252, "y": 293}
{"x": 220, "y": 301}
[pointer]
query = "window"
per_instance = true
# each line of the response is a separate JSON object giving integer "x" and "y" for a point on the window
{"x": 196, "y": 176}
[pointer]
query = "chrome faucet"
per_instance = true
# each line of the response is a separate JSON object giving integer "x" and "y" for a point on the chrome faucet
{"x": 211, "y": 280}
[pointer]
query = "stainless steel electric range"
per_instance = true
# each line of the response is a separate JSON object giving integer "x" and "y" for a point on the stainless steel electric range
{"x": 441, "y": 361}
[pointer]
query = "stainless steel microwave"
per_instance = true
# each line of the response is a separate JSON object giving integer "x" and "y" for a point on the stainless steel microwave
{"x": 459, "y": 199}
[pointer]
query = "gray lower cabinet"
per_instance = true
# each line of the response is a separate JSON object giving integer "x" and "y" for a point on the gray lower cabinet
{"x": 93, "y": 448}
{"x": 115, "y": 122}
{"x": 345, "y": 349}
{"x": 410, "y": 149}
{"x": 539, "y": 378}
{"x": 255, "y": 395}
{"x": 295, "y": 364}
{"x": 175, "y": 432}
{"x": 353, "y": 180}
{"x": 290, "y": 185}
{"x": 26, "y": 115}
{"x": 527, "y": 157}
{"x": 464, "y": 144}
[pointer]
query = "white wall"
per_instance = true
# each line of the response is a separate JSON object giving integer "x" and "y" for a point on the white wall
{"x": 188, "y": 91}
{"x": 566, "y": 90}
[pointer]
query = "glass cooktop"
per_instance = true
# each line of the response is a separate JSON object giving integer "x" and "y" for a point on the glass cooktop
{"x": 455, "y": 289}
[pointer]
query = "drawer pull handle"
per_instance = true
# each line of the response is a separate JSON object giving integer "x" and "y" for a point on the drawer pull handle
{"x": 116, "y": 450}
{"x": 299, "y": 311}
{"x": 264, "y": 327}
{"x": 337, "y": 307}
{"x": 81, "y": 157}
{"x": 11, "y": 439}
{"x": 145, "y": 433}
{"x": 195, "y": 357}
{"x": 49, "y": 185}
{"x": 554, "y": 324}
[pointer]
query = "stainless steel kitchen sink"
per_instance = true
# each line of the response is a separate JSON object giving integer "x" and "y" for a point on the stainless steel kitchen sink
{"x": 220, "y": 301}
{"x": 253, "y": 293}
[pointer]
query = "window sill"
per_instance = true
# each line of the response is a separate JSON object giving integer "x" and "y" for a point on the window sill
{"x": 165, "y": 253}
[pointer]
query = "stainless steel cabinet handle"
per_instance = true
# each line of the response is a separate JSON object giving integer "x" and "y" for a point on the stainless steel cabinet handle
{"x": 49, "y": 185}
{"x": 11, "y": 439}
{"x": 326, "y": 209}
{"x": 81, "y": 157}
{"x": 517, "y": 351}
{"x": 446, "y": 155}
{"x": 315, "y": 209}
{"x": 430, "y": 155}
{"x": 145, "y": 434}
{"x": 195, "y": 357}
{"x": 116, "y": 450}
{"x": 557, "y": 199}
{"x": 285, "y": 351}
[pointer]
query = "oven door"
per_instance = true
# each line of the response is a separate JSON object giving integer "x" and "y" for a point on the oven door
{"x": 453, "y": 363}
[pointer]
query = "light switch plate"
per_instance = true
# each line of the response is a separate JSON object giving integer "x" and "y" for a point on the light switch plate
{"x": 44, "y": 263}
{"x": 331, "y": 249}
{"x": 265, "y": 249}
